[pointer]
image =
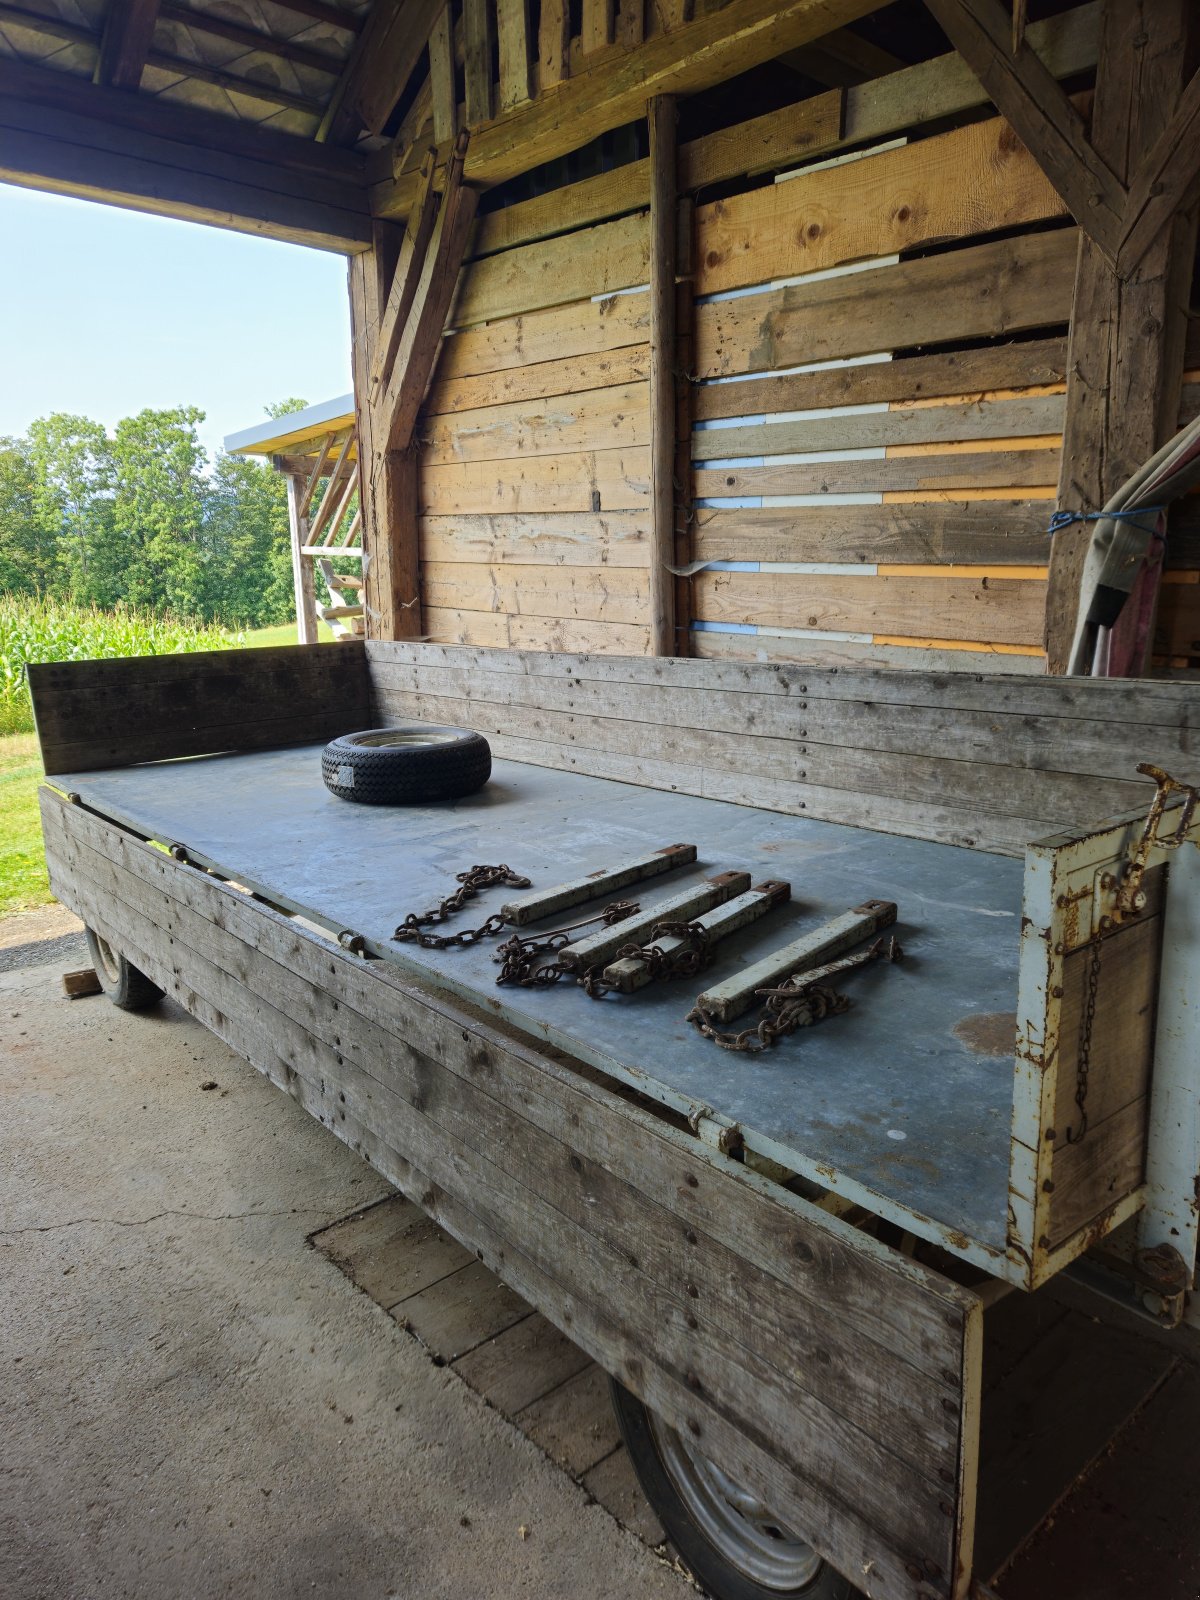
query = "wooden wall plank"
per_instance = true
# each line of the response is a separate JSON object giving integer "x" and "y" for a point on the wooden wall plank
{"x": 851, "y": 655}
{"x": 595, "y": 419}
{"x": 96, "y": 714}
{"x": 983, "y": 291}
{"x": 615, "y": 538}
{"x": 543, "y": 380}
{"x": 479, "y": 29}
{"x": 934, "y": 424}
{"x": 619, "y": 594}
{"x": 921, "y": 475}
{"x": 1027, "y": 364}
{"x": 1009, "y": 532}
{"x": 946, "y": 187}
{"x": 996, "y": 610}
{"x": 599, "y": 480}
{"x": 554, "y": 43}
{"x": 575, "y": 205}
{"x": 582, "y": 329}
{"x": 496, "y": 631}
{"x": 553, "y": 272}
{"x": 512, "y": 35}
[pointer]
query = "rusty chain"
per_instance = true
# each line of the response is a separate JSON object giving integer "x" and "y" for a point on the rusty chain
{"x": 692, "y": 955}
{"x": 803, "y": 1000}
{"x": 473, "y": 881}
{"x": 520, "y": 956}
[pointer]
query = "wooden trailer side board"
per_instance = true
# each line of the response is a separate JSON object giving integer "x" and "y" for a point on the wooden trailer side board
{"x": 836, "y": 1377}
{"x": 94, "y": 714}
{"x": 987, "y": 761}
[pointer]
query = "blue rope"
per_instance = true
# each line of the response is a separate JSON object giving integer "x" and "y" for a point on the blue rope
{"x": 1064, "y": 519}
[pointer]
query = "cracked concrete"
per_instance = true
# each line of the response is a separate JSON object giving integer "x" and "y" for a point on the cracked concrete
{"x": 194, "y": 1401}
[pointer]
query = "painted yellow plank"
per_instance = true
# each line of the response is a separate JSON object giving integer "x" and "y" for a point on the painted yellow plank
{"x": 948, "y": 187}
{"x": 951, "y": 569}
{"x": 955, "y": 644}
{"x": 901, "y": 497}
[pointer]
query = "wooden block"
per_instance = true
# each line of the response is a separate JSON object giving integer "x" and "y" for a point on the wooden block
{"x": 457, "y": 1313}
{"x": 522, "y": 1364}
{"x": 536, "y": 904}
{"x": 78, "y": 985}
{"x": 981, "y": 291}
{"x": 897, "y": 200}
{"x": 575, "y": 1424}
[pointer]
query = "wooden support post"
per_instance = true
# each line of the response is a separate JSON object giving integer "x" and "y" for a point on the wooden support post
{"x": 303, "y": 577}
{"x": 479, "y": 27}
{"x": 1125, "y": 356}
{"x": 684, "y": 499}
{"x": 388, "y": 480}
{"x": 661, "y": 114}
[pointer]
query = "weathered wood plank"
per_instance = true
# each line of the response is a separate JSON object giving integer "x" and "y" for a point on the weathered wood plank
{"x": 499, "y": 630}
{"x": 925, "y": 424}
{"x": 617, "y": 595}
{"x": 512, "y": 36}
{"x": 449, "y": 1161}
{"x": 1092, "y": 1175}
{"x": 479, "y": 30}
{"x": 798, "y": 649}
{"x": 554, "y": 43}
{"x": 983, "y": 291}
{"x": 94, "y": 714}
{"x": 915, "y": 475}
{"x": 615, "y": 538}
{"x": 949, "y": 373}
{"x": 1009, "y": 532}
{"x": 553, "y": 272}
{"x": 936, "y": 189}
{"x": 543, "y": 380}
{"x": 443, "y": 87}
{"x": 615, "y": 418}
{"x": 999, "y": 724}
{"x": 577, "y": 330}
{"x": 596, "y": 480}
{"x": 662, "y": 120}
{"x": 998, "y": 611}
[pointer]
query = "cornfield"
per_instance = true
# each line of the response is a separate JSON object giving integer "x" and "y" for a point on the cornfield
{"x": 51, "y": 630}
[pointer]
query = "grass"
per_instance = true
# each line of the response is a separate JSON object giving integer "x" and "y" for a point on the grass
{"x": 23, "y": 881}
{"x": 285, "y": 633}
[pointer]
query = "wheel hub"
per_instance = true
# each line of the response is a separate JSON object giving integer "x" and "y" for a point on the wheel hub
{"x": 739, "y": 1525}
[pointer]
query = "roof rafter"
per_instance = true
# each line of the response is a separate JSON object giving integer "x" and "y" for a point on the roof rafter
{"x": 382, "y": 62}
{"x": 128, "y": 31}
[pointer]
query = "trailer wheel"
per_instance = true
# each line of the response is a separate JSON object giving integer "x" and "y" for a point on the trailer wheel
{"x": 731, "y": 1542}
{"x": 406, "y": 766}
{"x": 125, "y": 985}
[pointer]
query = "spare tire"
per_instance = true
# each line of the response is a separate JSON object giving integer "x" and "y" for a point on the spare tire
{"x": 407, "y": 765}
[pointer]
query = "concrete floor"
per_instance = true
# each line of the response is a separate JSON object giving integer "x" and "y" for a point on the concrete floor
{"x": 195, "y": 1401}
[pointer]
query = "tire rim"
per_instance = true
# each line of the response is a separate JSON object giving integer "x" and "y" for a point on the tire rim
{"x": 404, "y": 738}
{"x": 739, "y": 1526}
{"x": 108, "y": 959}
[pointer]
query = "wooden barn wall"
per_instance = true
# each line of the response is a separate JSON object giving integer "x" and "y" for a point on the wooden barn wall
{"x": 535, "y": 480}
{"x": 877, "y": 354}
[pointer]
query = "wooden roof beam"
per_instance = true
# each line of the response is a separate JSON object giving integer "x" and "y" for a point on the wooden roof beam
{"x": 1166, "y": 182}
{"x": 61, "y": 134}
{"x": 382, "y": 62}
{"x": 1029, "y": 97}
{"x": 128, "y": 31}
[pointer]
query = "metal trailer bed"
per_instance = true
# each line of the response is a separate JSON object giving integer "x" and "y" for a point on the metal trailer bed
{"x": 626, "y": 1176}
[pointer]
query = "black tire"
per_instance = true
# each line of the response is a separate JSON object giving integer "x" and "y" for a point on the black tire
{"x": 125, "y": 985}
{"x": 406, "y": 766}
{"x": 652, "y": 1446}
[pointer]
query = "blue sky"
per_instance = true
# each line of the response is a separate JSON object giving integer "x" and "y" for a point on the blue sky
{"x": 109, "y": 311}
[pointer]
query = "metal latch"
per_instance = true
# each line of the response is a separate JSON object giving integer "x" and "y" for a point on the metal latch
{"x": 1130, "y": 898}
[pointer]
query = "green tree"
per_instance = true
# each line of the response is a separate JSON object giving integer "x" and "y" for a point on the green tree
{"x": 28, "y": 544}
{"x": 159, "y": 494}
{"x": 71, "y": 458}
{"x": 250, "y": 570}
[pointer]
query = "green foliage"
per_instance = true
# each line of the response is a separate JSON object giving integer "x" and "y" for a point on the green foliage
{"x": 51, "y": 630}
{"x": 140, "y": 518}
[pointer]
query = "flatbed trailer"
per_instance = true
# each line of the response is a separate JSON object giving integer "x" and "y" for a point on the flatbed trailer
{"x": 786, "y": 1257}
